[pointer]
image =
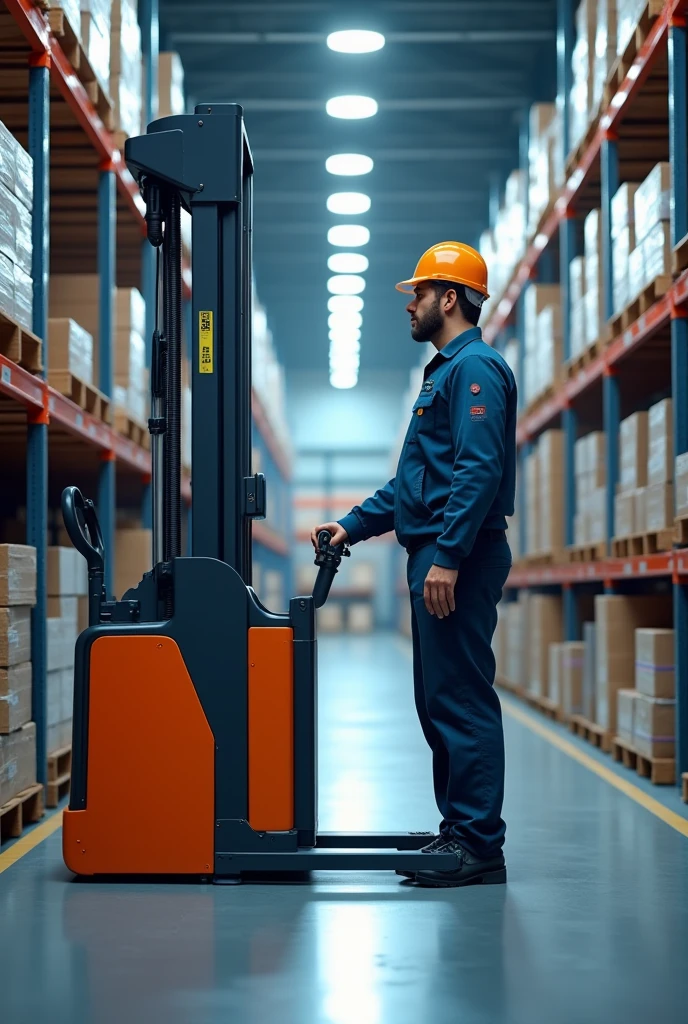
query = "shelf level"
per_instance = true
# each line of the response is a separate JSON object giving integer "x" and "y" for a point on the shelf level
{"x": 673, "y": 564}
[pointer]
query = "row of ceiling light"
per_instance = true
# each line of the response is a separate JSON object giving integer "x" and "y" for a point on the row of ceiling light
{"x": 346, "y": 285}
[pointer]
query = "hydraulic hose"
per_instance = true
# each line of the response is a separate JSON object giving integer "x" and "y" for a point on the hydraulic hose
{"x": 173, "y": 334}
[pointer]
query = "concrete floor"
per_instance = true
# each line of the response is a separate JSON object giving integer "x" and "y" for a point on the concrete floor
{"x": 593, "y": 925}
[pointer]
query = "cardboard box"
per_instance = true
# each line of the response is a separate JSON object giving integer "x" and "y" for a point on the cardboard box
{"x": 15, "y": 697}
{"x": 15, "y": 636}
{"x": 545, "y": 626}
{"x": 637, "y": 278}
{"x": 589, "y": 668}
{"x": 67, "y": 573}
{"x": 633, "y": 451}
{"x": 624, "y": 514}
{"x": 622, "y": 247}
{"x": 660, "y": 457}
{"x": 640, "y": 509}
{"x": 572, "y": 660}
{"x": 595, "y": 320}
{"x": 652, "y": 200}
{"x": 616, "y": 618}
{"x": 59, "y": 736}
{"x": 61, "y": 641}
{"x": 170, "y": 85}
{"x": 17, "y": 575}
{"x": 597, "y": 515}
{"x": 330, "y": 618}
{"x": 23, "y": 298}
{"x": 82, "y": 614}
{"x": 515, "y": 644}
{"x": 681, "y": 484}
{"x": 623, "y": 213}
{"x": 556, "y": 672}
{"x": 655, "y": 726}
{"x": 133, "y": 557}
{"x": 654, "y": 662}
{"x": 577, "y": 279}
{"x": 659, "y": 500}
{"x": 17, "y": 762}
{"x": 625, "y": 714}
{"x": 628, "y": 15}
{"x": 66, "y": 608}
{"x": 70, "y": 347}
{"x": 657, "y": 253}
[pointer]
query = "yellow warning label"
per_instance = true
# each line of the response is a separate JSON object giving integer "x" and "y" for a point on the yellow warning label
{"x": 206, "y": 363}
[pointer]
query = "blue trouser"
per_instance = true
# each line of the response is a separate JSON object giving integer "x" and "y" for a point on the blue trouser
{"x": 459, "y": 710}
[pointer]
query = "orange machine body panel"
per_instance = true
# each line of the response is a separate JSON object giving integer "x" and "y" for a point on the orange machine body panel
{"x": 271, "y": 728}
{"x": 150, "y": 797}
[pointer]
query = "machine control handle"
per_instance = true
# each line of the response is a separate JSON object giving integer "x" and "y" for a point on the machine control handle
{"x": 328, "y": 558}
{"x": 81, "y": 522}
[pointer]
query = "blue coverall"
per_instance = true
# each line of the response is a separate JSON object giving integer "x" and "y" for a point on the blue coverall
{"x": 448, "y": 504}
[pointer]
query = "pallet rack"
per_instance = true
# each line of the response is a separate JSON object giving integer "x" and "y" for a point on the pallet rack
{"x": 654, "y": 89}
{"x": 87, "y": 215}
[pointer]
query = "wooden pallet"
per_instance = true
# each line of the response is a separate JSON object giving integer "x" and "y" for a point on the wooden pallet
{"x": 69, "y": 39}
{"x": 587, "y": 552}
{"x": 25, "y": 809}
{"x": 623, "y": 63}
{"x": 590, "y": 731}
{"x": 59, "y": 776}
{"x": 131, "y": 428}
{"x": 20, "y": 345}
{"x": 684, "y": 787}
{"x": 661, "y": 771}
{"x": 647, "y": 543}
{"x": 679, "y": 257}
{"x": 82, "y": 394}
{"x": 580, "y": 362}
{"x": 681, "y": 532}
{"x": 542, "y": 559}
{"x": 642, "y": 302}
{"x": 549, "y": 708}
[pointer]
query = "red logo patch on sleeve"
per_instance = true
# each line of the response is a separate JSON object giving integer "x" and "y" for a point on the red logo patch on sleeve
{"x": 478, "y": 412}
{"x": 475, "y": 389}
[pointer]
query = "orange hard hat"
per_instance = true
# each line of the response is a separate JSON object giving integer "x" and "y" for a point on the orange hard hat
{"x": 450, "y": 261}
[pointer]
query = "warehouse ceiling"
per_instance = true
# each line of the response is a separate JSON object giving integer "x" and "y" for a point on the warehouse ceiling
{"x": 452, "y": 82}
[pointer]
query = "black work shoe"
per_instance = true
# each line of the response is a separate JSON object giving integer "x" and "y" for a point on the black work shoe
{"x": 470, "y": 871}
{"x": 437, "y": 844}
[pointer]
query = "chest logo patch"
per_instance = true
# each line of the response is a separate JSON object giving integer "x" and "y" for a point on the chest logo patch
{"x": 475, "y": 389}
{"x": 429, "y": 385}
{"x": 478, "y": 412}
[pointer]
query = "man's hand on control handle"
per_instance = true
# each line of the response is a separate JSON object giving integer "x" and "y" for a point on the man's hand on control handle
{"x": 438, "y": 591}
{"x": 337, "y": 532}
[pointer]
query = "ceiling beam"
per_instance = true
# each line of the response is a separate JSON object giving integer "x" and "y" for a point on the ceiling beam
{"x": 377, "y": 227}
{"x": 471, "y": 37}
{"x": 419, "y": 154}
{"x": 449, "y": 103}
{"x": 283, "y": 7}
{"x": 411, "y": 196}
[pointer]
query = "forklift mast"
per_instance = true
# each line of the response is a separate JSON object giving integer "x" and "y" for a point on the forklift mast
{"x": 202, "y": 162}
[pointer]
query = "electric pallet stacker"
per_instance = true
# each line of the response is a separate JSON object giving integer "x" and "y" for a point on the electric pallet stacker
{"x": 195, "y": 708}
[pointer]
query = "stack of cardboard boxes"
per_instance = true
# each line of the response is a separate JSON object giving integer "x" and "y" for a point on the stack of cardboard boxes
{"x": 70, "y": 347}
{"x": 67, "y": 583}
{"x": 588, "y": 323}
{"x": 17, "y": 732}
{"x": 96, "y": 24}
{"x": 628, "y": 14}
{"x": 589, "y": 459}
{"x": 544, "y": 484}
{"x": 617, "y": 617}
{"x": 645, "y": 499}
{"x": 126, "y": 67}
{"x": 543, "y": 339}
{"x": 591, "y": 61}
{"x": 641, "y": 240}
{"x": 681, "y": 485}
{"x": 133, "y": 557}
{"x": 77, "y": 296}
{"x": 16, "y": 247}
{"x": 646, "y": 715}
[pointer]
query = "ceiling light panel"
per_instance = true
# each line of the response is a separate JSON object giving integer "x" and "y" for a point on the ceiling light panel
{"x": 347, "y": 263}
{"x": 349, "y": 236}
{"x": 348, "y": 164}
{"x": 355, "y": 41}
{"x": 346, "y": 284}
{"x": 351, "y": 108}
{"x": 348, "y": 203}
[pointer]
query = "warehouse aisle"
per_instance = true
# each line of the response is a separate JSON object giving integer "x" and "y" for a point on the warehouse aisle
{"x": 592, "y": 927}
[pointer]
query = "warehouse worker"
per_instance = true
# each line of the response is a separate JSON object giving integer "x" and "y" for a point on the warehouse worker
{"x": 448, "y": 504}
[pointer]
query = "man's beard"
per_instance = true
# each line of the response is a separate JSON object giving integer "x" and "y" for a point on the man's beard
{"x": 431, "y": 324}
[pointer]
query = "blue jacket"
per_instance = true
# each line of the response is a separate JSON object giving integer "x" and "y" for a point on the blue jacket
{"x": 457, "y": 469}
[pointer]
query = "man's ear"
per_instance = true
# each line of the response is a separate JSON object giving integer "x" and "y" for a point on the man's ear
{"x": 450, "y": 300}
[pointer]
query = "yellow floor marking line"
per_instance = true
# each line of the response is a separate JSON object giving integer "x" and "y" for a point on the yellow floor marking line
{"x": 634, "y": 792}
{"x": 30, "y": 841}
